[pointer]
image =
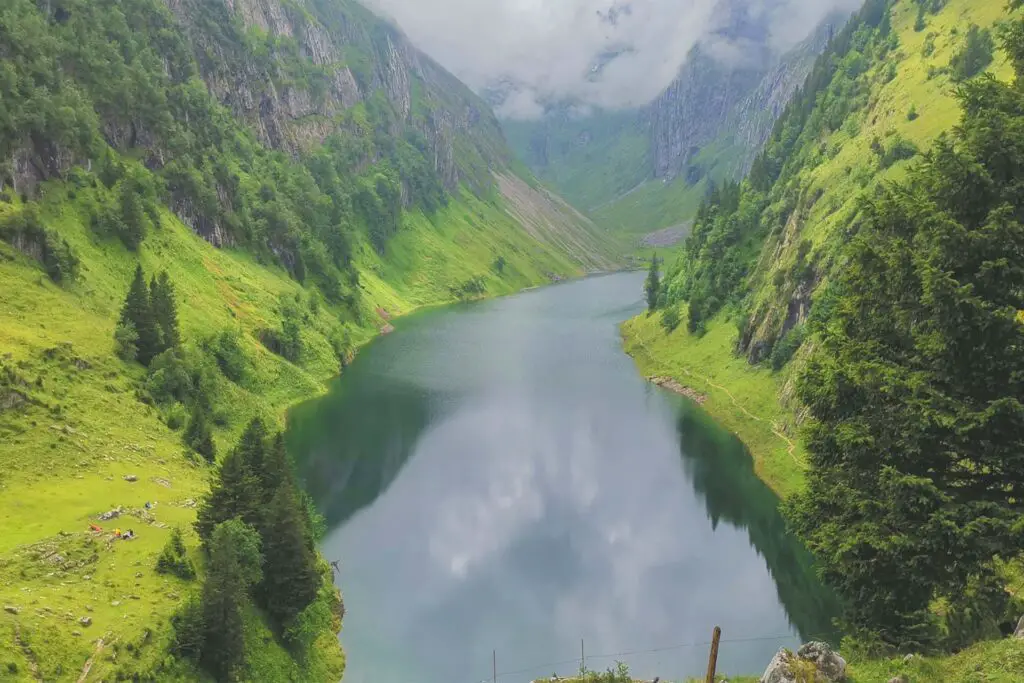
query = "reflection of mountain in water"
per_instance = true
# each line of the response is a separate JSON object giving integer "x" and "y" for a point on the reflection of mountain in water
{"x": 722, "y": 472}
{"x": 349, "y": 454}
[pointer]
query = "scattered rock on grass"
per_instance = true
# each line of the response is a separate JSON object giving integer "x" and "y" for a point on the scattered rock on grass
{"x": 131, "y": 477}
{"x": 11, "y": 609}
{"x": 111, "y": 514}
{"x": 85, "y": 621}
{"x": 814, "y": 661}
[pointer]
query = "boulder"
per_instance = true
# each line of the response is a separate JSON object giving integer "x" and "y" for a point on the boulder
{"x": 11, "y": 609}
{"x": 1019, "y": 632}
{"x": 85, "y": 621}
{"x": 813, "y": 663}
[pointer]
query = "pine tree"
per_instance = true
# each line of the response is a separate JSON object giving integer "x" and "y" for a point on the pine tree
{"x": 165, "y": 310}
{"x": 916, "y": 390}
{"x": 276, "y": 468}
{"x": 236, "y": 493}
{"x": 233, "y": 569}
{"x": 252, "y": 448}
{"x": 138, "y": 311}
{"x": 199, "y": 435}
{"x": 652, "y": 287}
{"x": 291, "y": 579}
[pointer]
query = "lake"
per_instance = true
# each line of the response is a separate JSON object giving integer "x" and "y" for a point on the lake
{"x": 498, "y": 478}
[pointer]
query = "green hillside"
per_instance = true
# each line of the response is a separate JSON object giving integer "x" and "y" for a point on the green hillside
{"x": 302, "y": 176}
{"x": 840, "y": 308}
{"x": 586, "y": 158}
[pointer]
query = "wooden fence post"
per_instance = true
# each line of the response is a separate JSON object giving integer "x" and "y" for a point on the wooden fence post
{"x": 713, "y": 659}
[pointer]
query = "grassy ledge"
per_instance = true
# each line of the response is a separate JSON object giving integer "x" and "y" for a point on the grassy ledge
{"x": 742, "y": 398}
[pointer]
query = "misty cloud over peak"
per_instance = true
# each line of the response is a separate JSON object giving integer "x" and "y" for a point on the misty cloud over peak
{"x": 604, "y": 53}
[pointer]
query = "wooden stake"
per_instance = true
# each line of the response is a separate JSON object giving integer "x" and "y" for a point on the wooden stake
{"x": 713, "y": 659}
{"x": 583, "y": 659}
{"x": 494, "y": 666}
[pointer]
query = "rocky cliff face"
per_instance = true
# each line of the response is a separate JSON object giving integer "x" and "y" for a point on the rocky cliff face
{"x": 320, "y": 60}
{"x": 712, "y": 99}
{"x": 726, "y": 98}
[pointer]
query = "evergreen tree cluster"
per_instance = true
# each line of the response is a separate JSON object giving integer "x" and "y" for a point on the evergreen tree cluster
{"x": 148, "y": 325}
{"x": 259, "y": 535}
{"x": 917, "y": 389}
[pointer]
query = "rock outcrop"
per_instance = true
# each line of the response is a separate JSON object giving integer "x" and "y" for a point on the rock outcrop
{"x": 814, "y": 662}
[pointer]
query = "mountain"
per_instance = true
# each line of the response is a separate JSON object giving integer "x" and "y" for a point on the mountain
{"x": 852, "y": 307}
{"x": 709, "y": 123}
{"x": 288, "y": 176}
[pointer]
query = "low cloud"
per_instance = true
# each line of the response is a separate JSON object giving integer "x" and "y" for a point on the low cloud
{"x": 604, "y": 53}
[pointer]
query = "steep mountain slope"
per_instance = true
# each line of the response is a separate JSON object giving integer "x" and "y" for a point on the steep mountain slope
{"x": 638, "y": 171}
{"x": 848, "y": 286}
{"x": 763, "y": 252}
{"x": 302, "y": 175}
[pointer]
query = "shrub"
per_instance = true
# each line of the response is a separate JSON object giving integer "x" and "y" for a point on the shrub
{"x": 189, "y": 626}
{"x": 670, "y": 319}
{"x": 975, "y": 55}
{"x": 126, "y": 341}
{"x": 173, "y": 558}
{"x": 786, "y": 348}
{"x": 912, "y": 115}
{"x": 230, "y": 356}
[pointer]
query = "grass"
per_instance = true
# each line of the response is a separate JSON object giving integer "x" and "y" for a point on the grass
{"x": 67, "y": 451}
{"x": 586, "y": 159}
{"x": 833, "y": 180}
{"x": 742, "y": 398}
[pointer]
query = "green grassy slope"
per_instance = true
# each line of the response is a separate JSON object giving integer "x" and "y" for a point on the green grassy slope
{"x": 113, "y": 114}
{"x": 66, "y": 453}
{"x": 587, "y": 159}
{"x": 801, "y": 227}
{"x": 818, "y": 201}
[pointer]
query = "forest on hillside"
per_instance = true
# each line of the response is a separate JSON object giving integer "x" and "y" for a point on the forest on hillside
{"x": 910, "y": 359}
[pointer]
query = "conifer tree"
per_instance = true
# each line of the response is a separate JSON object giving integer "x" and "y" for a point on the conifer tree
{"x": 199, "y": 435}
{"x": 233, "y": 569}
{"x": 252, "y": 448}
{"x": 291, "y": 579}
{"x": 652, "y": 287}
{"x": 276, "y": 468}
{"x": 916, "y": 391}
{"x": 138, "y": 311}
{"x": 165, "y": 310}
{"x": 236, "y": 493}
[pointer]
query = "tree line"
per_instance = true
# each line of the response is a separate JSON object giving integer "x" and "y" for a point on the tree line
{"x": 258, "y": 537}
{"x": 915, "y": 383}
{"x": 916, "y": 389}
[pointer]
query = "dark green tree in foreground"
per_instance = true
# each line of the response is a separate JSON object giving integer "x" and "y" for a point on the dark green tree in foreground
{"x": 234, "y": 568}
{"x": 652, "y": 286}
{"x": 256, "y": 486}
{"x": 917, "y": 389}
{"x": 235, "y": 494}
{"x": 291, "y": 578}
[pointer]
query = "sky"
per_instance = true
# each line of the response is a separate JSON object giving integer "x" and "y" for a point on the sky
{"x": 543, "y": 51}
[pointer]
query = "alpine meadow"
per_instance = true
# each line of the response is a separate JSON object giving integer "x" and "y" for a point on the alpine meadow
{"x": 320, "y": 360}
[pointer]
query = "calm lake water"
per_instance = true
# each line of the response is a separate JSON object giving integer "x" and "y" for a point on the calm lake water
{"x": 498, "y": 476}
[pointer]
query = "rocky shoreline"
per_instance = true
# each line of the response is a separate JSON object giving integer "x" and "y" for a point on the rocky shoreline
{"x": 674, "y": 386}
